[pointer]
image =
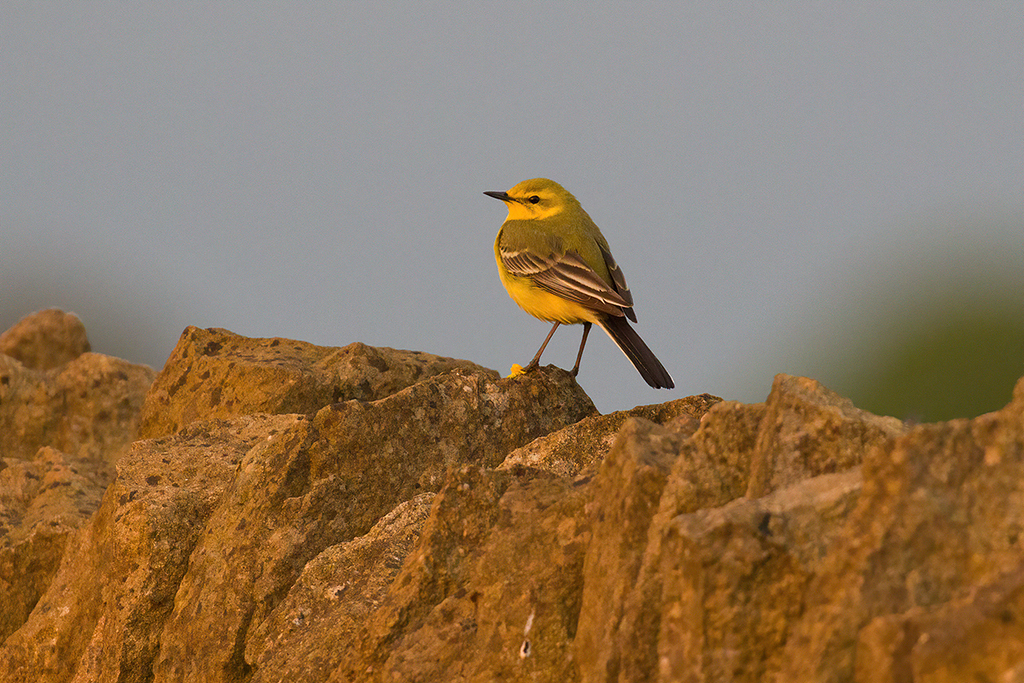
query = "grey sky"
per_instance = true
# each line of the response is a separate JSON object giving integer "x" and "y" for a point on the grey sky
{"x": 315, "y": 171}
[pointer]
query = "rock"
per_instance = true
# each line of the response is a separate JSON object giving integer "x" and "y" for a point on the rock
{"x": 104, "y": 611}
{"x": 329, "y": 480}
{"x": 204, "y": 532}
{"x": 568, "y": 451}
{"x": 734, "y": 577}
{"x": 417, "y": 518}
{"x": 809, "y": 430}
{"x": 87, "y": 409}
{"x": 681, "y": 473}
{"x": 45, "y": 340}
{"x": 976, "y": 637}
{"x": 627, "y": 493}
{"x": 491, "y": 592}
{"x": 332, "y": 598}
{"x": 66, "y": 416}
{"x": 218, "y": 374}
{"x": 42, "y": 502}
{"x": 936, "y": 531}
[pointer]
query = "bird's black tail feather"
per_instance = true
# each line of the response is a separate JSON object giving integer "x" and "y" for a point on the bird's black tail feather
{"x": 642, "y": 358}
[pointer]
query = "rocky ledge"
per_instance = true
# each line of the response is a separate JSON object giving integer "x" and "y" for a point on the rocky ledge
{"x": 268, "y": 510}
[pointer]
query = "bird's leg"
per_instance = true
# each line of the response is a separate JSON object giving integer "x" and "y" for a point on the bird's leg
{"x": 536, "y": 359}
{"x": 583, "y": 342}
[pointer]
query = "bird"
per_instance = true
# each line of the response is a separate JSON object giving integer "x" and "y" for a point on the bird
{"x": 558, "y": 267}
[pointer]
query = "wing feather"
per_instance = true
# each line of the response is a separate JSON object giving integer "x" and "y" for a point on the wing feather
{"x": 568, "y": 276}
{"x": 618, "y": 280}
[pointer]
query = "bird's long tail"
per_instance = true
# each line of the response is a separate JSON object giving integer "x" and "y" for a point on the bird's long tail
{"x": 642, "y": 358}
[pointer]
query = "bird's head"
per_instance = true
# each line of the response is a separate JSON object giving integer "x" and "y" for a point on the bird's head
{"x": 536, "y": 199}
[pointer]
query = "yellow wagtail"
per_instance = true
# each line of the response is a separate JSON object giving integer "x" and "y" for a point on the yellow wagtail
{"x": 557, "y": 266}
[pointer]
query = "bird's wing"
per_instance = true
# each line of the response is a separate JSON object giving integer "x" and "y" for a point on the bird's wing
{"x": 568, "y": 276}
{"x": 618, "y": 280}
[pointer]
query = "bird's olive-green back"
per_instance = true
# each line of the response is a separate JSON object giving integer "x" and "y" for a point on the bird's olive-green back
{"x": 569, "y": 230}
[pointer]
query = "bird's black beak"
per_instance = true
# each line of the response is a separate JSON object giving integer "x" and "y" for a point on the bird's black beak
{"x": 503, "y": 196}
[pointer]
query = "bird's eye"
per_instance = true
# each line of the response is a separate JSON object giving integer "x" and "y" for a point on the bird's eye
{"x": 534, "y": 199}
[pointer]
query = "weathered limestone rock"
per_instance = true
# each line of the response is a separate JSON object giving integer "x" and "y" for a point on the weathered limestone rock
{"x": 976, "y": 637}
{"x": 101, "y": 617}
{"x": 88, "y": 408}
{"x": 627, "y": 492}
{"x": 689, "y": 570}
{"x": 218, "y": 374}
{"x": 45, "y": 340}
{"x": 66, "y": 416}
{"x": 706, "y": 469}
{"x": 491, "y": 592}
{"x": 734, "y": 577}
{"x": 936, "y": 531}
{"x": 568, "y": 451}
{"x": 331, "y": 600}
{"x": 42, "y": 501}
{"x": 329, "y": 480}
{"x": 809, "y": 430}
{"x": 417, "y": 518}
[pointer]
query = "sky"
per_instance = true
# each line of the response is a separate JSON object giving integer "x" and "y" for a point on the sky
{"x": 767, "y": 174}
